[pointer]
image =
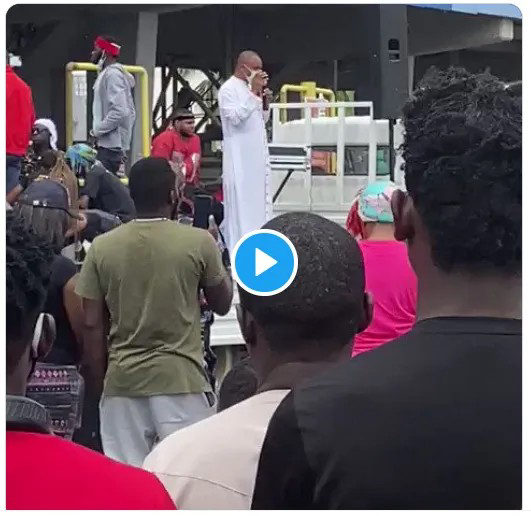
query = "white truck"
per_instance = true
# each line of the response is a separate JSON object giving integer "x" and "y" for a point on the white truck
{"x": 318, "y": 163}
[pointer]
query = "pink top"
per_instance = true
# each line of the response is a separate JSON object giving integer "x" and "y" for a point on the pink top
{"x": 393, "y": 285}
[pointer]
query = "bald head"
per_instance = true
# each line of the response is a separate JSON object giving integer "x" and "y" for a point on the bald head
{"x": 248, "y": 57}
{"x": 247, "y": 62}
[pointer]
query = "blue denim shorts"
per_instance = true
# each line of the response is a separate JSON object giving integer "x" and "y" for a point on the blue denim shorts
{"x": 13, "y": 166}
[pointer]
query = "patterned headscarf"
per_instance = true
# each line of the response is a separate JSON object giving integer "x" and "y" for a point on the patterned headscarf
{"x": 371, "y": 204}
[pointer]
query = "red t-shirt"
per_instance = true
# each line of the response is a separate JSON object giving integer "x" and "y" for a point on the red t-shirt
{"x": 49, "y": 473}
{"x": 20, "y": 114}
{"x": 169, "y": 141}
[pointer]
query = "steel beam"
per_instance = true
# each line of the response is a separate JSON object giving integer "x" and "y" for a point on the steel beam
{"x": 433, "y": 32}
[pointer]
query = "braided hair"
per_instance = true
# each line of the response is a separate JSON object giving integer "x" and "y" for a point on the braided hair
{"x": 63, "y": 174}
{"x": 28, "y": 263}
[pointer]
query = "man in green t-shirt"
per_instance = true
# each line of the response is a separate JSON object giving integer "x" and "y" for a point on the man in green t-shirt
{"x": 139, "y": 285}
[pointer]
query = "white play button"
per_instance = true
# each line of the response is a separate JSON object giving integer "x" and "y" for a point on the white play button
{"x": 262, "y": 262}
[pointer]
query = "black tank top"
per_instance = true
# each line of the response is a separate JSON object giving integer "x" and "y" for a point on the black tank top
{"x": 64, "y": 351}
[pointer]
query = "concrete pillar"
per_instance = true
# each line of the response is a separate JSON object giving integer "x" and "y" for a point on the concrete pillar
{"x": 43, "y": 68}
{"x": 146, "y": 56}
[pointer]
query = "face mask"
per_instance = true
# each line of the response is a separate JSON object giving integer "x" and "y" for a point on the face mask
{"x": 252, "y": 75}
{"x": 101, "y": 61}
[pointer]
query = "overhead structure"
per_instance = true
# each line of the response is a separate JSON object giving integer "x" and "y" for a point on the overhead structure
{"x": 186, "y": 96}
{"x": 378, "y": 51}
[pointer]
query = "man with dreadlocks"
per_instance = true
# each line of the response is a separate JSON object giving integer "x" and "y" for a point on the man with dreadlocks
{"x": 101, "y": 190}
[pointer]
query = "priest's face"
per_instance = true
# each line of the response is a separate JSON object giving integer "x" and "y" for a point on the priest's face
{"x": 252, "y": 64}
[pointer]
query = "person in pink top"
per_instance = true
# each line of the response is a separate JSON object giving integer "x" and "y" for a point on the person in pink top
{"x": 388, "y": 273}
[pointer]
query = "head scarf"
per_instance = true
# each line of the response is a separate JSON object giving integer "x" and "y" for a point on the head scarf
{"x": 371, "y": 204}
{"x": 50, "y": 126}
{"x": 113, "y": 49}
{"x": 108, "y": 48}
{"x": 81, "y": 156}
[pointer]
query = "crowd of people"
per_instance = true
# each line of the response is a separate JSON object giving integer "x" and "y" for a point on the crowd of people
{"x": 386, "y": 376}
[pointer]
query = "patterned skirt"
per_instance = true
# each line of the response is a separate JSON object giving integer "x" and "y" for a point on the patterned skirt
{"x": 60, "y": 389}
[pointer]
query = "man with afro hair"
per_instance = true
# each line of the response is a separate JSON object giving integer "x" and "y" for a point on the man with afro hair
{"x": 432, "y": 420}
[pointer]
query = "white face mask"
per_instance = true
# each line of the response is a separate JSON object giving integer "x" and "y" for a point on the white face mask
{"x": 252, "y": 75}
{"x": 101, "y": 61}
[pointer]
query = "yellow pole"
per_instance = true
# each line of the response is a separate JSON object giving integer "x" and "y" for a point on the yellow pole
{"x": 68, "y": 107}
{"x": 310, "y": 90}
{"x": 330, "y": 96}
{"x": 144, "y": 101}
{"x": 293, "y": 88}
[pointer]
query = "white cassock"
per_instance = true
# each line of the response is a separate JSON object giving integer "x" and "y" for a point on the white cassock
{"x": 246, "y": 199}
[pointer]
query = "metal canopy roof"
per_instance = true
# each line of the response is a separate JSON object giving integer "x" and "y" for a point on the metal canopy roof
{"x": 503, "y": 10}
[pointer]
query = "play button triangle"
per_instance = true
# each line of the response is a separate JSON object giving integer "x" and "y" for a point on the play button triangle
{"x": 262, "y": 262}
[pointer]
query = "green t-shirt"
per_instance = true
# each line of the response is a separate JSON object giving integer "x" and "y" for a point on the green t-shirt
{"x": 149, "y": 273}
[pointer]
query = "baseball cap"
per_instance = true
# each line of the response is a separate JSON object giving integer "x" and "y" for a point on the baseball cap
{"x": 46, "y": 193}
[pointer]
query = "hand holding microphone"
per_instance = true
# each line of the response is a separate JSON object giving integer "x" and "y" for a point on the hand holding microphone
{"x": 259, "y": 82}
{"x": 267, "y": 98}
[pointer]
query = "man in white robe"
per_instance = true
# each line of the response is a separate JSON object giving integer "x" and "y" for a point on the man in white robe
{"x": 243, "y": 110}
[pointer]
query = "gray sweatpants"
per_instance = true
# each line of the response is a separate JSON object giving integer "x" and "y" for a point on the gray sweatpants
{"x": 130, "y": 427}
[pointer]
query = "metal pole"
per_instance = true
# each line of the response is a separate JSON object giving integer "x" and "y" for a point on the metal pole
{"x": 340, "y": 162}
{"x": 392, "y": 154}
{"x": 174, "y": 86}
{"x": 69, "y": 94}
{"x": 164, "y": 109}
{"x": 373, "y": 153}
{"x": 282, "y": 185}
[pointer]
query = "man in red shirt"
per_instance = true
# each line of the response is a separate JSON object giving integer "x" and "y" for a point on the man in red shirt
{"x": 20, "y": 116}
{"x": 45, "y": 472}
{"x": 180, "y": 145}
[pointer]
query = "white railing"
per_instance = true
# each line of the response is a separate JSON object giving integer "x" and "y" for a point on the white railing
{"x": 334, "y": 192}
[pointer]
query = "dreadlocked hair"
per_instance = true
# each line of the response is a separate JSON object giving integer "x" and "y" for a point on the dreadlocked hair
{"x": 463, "y": 168}
{"x": 63, "y": 174}
{"x": 28, "y": 263}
